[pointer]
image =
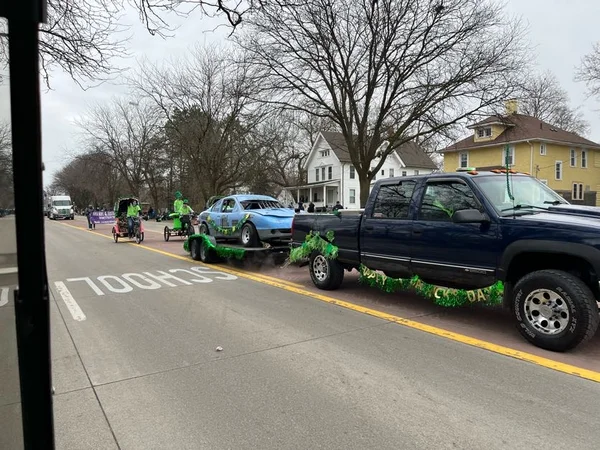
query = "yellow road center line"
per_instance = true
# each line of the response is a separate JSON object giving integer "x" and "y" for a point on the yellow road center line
{"x": 474, "y": 342}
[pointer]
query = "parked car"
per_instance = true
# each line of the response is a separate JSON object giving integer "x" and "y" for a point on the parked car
{"x": 468, "y": 230}
{"x": 249, "y": 219}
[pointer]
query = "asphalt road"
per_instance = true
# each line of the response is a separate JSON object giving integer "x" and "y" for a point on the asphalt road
{"x": 136, "y": 366}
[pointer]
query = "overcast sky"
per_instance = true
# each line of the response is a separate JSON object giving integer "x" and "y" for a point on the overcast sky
{"x": 561, "y": 31}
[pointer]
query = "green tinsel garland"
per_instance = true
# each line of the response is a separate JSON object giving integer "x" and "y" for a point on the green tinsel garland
{"x": 442, "y": 296}
{"x": 228, "y": 231}
{"x": 221, "y": 251}
{"x": 314, "y": 241}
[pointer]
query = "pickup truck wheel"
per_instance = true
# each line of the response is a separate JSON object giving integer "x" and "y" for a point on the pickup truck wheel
{"x": 326, "y": 274}
{"x": 554, "y": 310}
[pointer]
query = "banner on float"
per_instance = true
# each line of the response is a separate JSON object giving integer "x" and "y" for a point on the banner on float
{"x": 102, "y": 217}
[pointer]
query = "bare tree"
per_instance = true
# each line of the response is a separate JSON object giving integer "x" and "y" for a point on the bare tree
{"x": 90, "y": 179}
{"x": 82, "y": 37}
{"x": 589, "y": 71}
{"x": 210, "y": 117}
{"x": 6, "y": 172}
{"x": 391, "y": 69}
{"x": 130, "y": 132}
{"x": 544, "y": 99}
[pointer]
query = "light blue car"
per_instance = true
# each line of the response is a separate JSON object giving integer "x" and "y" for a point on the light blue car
{"x": 249, "y": 219}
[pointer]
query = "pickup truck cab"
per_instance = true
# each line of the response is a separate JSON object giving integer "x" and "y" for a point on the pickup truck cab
{"x": 469, "y": 230}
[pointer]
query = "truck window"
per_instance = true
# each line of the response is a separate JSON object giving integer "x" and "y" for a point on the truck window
{"x": 443, "y": 199}
{"x": 393, "y": 200}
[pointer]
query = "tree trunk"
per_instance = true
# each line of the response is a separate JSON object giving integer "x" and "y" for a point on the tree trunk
{"x": 365, "y": 188}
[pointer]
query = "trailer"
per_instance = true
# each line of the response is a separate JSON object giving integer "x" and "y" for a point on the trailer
{"x": 207, "y": 249}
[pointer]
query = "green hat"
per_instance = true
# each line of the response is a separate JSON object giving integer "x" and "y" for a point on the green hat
{"x": 178, "y": 194}
{"x": 185, "y": 201}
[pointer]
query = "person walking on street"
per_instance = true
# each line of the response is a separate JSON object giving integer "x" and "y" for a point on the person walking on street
{"x": 88, "y": 213}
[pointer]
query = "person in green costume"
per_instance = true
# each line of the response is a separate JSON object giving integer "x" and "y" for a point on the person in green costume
{"x": 178, "y": 203}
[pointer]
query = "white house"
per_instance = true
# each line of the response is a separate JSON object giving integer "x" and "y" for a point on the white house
{"x": 332, "y": 177}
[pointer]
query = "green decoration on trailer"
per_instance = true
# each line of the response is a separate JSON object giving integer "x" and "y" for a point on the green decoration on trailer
{"x": 221, "y": 251}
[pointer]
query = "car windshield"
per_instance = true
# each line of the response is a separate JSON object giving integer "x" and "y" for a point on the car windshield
{"x": 261, "y": 204}
{"x": 529, "y": 193}
{"x": 61, "y": 203}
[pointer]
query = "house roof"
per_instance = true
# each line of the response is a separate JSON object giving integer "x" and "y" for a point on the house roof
{"x": 521, "y": 128}
{"x": 411, "y": 154}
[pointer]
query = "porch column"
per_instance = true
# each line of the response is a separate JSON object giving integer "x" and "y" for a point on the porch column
{"x": 324, "y": 195}
{"x": 310, "y": 197}
{"x": 297, "y": 195}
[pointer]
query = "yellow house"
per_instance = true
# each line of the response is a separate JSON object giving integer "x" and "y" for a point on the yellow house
{"x": 567, "y": 162}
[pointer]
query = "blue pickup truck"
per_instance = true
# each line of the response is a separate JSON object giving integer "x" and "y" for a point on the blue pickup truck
{"x": 467, "y": 230}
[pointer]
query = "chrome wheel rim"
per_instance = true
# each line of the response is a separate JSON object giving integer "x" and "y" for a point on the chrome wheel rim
{"x": 547, "y": 311}
{"x": 320, "y": 268}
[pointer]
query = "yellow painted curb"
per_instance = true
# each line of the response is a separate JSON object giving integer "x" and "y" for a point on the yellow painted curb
{"x": 474, "y": 342}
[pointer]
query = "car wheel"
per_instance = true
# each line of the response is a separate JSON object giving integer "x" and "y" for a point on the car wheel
{"x": 204, "y": 229}
{"x": 326, "y": 274}
{"x": 167, "y": 234}
{"x": 249, "y": 236}
{"x": 554, "y": 310}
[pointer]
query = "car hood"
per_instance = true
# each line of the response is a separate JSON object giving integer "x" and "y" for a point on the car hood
{"x": 565, "y": 218}
{"x": 273, "y": 212}
{"x": 578, "y": 210}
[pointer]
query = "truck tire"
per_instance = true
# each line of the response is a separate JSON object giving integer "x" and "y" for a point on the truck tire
{"x": 554, "y": 310}
{"x": 326, "y": 274}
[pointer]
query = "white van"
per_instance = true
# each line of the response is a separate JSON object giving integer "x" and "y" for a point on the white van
{"x": 60, "y": 207}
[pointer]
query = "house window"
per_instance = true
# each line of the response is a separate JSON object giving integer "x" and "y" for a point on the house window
{"x": 391, "y": 173}
{"x": 543, "y": 149}
{"x": 558, "y": 170}
{"x": 577, "y": 191}
{"x": 324, "y": 153}
{"x": 404, "y": 173}
{"x": 584, "y": 159}
{"x": 352, "y": 196}
{"x": 484, "y": 132}
{"x": 352, "y": 172}
{"x": 330, "y": 172}
{"x": 544, "y": 182}
{"x": 573, "y": 159}
{"x": 416, "y": 172}
{"x": 382, "y": 172}
{"x": 323, "y": 173}
{"x": 463, "y": 160}
{"x": 317, "y": 174}
{"x": 510, "y": 156}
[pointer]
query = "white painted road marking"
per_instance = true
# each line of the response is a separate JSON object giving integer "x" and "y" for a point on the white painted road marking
{"x": 126, "y": 282}
{"x": 7, "y": 270}
{"x": 72, "y": 305}
{"x": 4, "y": 296}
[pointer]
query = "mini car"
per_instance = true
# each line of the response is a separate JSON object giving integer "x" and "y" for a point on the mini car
{"x": 249, "y": 219}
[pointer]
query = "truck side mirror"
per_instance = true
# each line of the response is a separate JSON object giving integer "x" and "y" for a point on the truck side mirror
{"x": 469, "y": 216}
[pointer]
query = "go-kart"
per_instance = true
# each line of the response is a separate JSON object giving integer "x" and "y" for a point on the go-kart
{"x": 182, "y": 226}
